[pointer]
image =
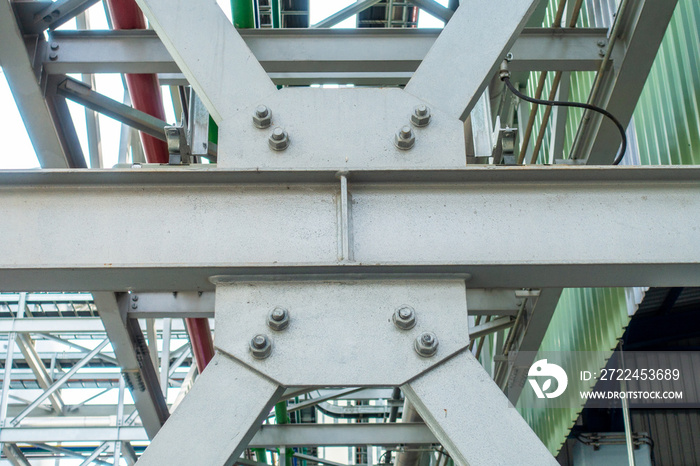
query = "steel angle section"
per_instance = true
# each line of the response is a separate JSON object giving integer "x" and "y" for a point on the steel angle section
{"x": 342, "y": 333}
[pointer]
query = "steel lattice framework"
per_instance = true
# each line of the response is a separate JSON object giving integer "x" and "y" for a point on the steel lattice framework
{"x": 337, "y": 208}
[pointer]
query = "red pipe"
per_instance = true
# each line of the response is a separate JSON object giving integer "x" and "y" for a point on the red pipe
{"x": 144, "y": 89}
{"x": 202, "y": 343}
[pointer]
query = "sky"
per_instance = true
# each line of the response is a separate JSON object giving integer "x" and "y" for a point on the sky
{"x": 18, "y": 151}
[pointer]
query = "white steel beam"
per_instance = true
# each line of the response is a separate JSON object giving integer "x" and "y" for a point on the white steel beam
{"x": 345, "y": 13}
{"x": 336, "y": 53}
{"x": 287, "y": 223}
{"x": 642, "y": 27}
{"x": 465, "y": 57}
{"x": 211, "y": 54}
{"x": 26, "y": 345}
{"x": 132, "y": 354}
{"x": 32, "y": 106}
{"x": 217, "y": 418}
{"x": 472, "y": 418}
{"x": 271, "y": 436}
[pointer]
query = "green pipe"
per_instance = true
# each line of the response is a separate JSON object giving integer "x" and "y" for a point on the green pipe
{"x": 276, "y": 14}
{"x": 260, "y": 455}
{"x": 282, "y": 417}
{"x": 243, "y": 13}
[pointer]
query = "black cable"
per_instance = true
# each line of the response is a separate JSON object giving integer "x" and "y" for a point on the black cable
{"x": 620, "y": 128}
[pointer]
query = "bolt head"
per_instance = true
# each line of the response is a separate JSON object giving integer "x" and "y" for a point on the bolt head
{"x": 278, "y": 319}
{"x": 53, "y": 56}
{"x": 260, "y": 346}
{"x": 405, "y": 139}
{"x": 421, "y": 116}
{"x": 426, "y": 344}
{"x": 404, "y": 318}
{"x": 54, "y": 45}
{"x": 279, "y": 139}
{"x": 262, "y": 118}
{"x": 601, "y": 43}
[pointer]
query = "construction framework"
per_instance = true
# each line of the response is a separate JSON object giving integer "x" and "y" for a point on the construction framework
{"x": 347, "y": 242}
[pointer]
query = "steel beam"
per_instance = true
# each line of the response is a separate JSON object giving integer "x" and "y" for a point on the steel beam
{"x": 453, "y": 78}
{"x": 211, "y": 53}
{"x": 56, "y": 14}
{"x": 81, "y": 93}
{"x": 132, "y": 354}
{"x": 345, "y": 13}
{"x": 271, "y": 436}
{"x": 472, "y": 418}
{"x": 227, "y": 395}
{"x": 528, "y": 341}
{"x": 434, "y": 8}
{"x": 26, "y": 345}
{"x": 287, "y": 224}
{"x": 313, "y": 54}
{"x": 201, "y": 304}
{"x": 18, "y": 69}
{"x": 642, "y": 28}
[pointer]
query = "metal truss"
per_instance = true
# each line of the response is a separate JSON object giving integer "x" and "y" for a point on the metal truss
{"x": 341, "y": 202}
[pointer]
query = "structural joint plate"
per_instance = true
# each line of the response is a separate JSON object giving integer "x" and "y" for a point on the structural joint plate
{"x": 341, "y": 129}
{"x": 341, "y": 334}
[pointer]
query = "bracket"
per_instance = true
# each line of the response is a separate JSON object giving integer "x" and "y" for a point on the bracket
{"x": 318, "y": 347}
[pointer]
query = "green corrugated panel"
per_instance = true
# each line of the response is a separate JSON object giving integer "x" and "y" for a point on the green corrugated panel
{"x": 584, "y": 331}
{"x": 588, "y": 322}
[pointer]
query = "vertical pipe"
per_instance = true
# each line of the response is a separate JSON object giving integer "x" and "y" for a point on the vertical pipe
{"x": 202, "y": 344}
{"x": 144, "y": 89}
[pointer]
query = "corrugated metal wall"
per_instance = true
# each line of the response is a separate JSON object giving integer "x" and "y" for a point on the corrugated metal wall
{"x": 665, "y": 130}
{"x": 675, "y": 434}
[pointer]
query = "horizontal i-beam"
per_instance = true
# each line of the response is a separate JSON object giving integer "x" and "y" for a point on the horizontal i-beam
{"x": 343, "y": 52}
{"x": 595, "y": 226}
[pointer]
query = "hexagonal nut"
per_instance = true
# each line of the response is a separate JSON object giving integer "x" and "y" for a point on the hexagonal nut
{"x": 404, "y": 138}
{"x": 404, "y": 318}
{"x": 279, "y": 139}
{"x": 421, "y": 115}
{"x": 278, "y": 319}
{"x": 262, "y": 117}
{"x": 260, "y": 346}
{"x": 426, "y": 344}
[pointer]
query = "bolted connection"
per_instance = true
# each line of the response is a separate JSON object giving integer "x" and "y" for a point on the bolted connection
{"x": 279, "y": 139}
{"x": 262, "y": 118}
{"x": 426, "y": 344}
{"x": 405, "y": 139}
{"x": 421, "y": 115}
{"x": 260, "y": 346}
{"x": 404, "y": 318}
{"x": 278, "y": 319}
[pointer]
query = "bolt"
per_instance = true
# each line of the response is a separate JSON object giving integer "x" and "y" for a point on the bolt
{"x": 278, "y": 319}
{"x": 601, "y": 43}
{"x": 421, "y": 116}
{"x": 426, "y": 344}
{"x": 47, "y": 18}
{"x": 601, "y": 52}
{"x": 53, "y": 56}
{"x": 134, "y": 306}
{"x": 262, "y": 118}
{"x": 135, "y": 297}
{"x": 279, "y": 139}
{"x": 404, "y": 318}
{"x": 405, "y": 138}
{"x": 54, "y": 45}
{"x": 260, "y": 346}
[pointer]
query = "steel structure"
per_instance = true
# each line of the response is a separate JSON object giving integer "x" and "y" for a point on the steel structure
{"x": 345, "y": 243}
